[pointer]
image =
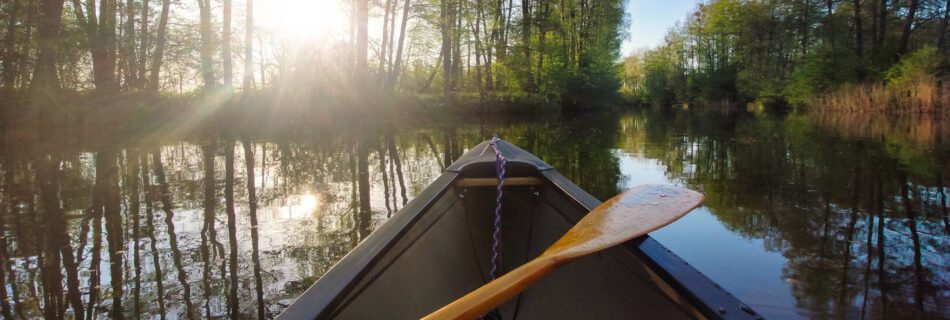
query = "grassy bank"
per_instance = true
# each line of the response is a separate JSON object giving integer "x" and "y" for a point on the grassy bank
{"x": 139, "y": 111}
{"x": 918, "y": 97}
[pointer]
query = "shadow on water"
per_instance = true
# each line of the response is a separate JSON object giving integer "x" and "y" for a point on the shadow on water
{"x": 857, "y": 211}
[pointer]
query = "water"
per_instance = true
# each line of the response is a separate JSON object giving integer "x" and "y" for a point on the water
{"x": 805, "y": 217}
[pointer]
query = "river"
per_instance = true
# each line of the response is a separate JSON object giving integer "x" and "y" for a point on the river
{"x": 831, "y": 216}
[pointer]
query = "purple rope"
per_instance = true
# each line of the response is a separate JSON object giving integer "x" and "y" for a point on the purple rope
{"x": 496, "y": 236}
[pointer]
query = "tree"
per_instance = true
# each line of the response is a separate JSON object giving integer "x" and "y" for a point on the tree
{"x": 249, "y": 46}
{"x": 143, "y": 47}
{"x": 394, "y": 74}
{"x": 226, "y": 45}
{"x": 207, "y": 46}
{"x": 858, "y": 39}
{"x": 101, "y": 36}
{"x": 129, "y": 59}
{"x": 445, "y": 25}
{"x": 8, "y": 77}
{"x": 942, "y": 42}
{"x": 49, "y": 16}
{"x": 157, "y": 56}
{"x": 908, "y": 28}
{"x": 362, "y": 44}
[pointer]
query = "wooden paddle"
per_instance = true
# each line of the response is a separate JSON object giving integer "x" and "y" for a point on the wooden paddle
{"x": 628, "y": 215}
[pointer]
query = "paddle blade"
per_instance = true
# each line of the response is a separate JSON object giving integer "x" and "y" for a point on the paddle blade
{"x": 631, "y": 214}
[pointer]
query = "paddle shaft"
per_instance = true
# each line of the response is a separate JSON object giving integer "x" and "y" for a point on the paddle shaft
{"x": 486, "y": 298}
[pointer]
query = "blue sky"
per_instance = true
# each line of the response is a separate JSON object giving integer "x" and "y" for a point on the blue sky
{"x": 650, "y": 19}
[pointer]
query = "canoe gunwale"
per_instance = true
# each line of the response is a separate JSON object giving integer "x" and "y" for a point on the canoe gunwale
{"x": 322, "y": 298}
{"x": 325, "y": 296}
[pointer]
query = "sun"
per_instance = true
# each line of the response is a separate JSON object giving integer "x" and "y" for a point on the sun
{"x": 303, "y": 20}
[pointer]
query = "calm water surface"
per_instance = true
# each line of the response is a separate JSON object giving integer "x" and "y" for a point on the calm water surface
{"x": 805, "y": 217}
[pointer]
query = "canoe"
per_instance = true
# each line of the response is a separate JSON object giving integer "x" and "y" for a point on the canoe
{"x": 438, "y": 248}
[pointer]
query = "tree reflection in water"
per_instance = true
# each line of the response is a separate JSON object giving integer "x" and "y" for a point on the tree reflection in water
{"x": 859, "y": 214}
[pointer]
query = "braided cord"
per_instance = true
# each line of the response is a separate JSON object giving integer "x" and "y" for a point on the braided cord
{"x": 500, "y": 161}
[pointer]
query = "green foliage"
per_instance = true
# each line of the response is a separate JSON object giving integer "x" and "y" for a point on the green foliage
{"x": 920, "y": 65}
{"x": 734, "y": 50}
{"x": 820, "y": 73}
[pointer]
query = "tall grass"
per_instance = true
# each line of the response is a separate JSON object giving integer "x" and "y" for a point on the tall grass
{"x": 916, "y": 84}
{"x": 923, "y": 96}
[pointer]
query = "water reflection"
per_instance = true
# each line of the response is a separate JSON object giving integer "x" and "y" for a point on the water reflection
{"x": 855, "y": 218}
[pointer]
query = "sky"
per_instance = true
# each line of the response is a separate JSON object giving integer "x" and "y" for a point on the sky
{"x": 650, "y": 19}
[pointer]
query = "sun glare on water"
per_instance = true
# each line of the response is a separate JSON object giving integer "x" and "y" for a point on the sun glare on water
{"x": 303, "y": 20}
{"x": 299, "y": 207}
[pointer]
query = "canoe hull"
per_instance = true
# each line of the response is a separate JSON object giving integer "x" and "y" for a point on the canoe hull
{"x": 438, "y": 248}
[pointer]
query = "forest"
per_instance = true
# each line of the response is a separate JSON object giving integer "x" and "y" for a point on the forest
{"x": 887, "y": 55}
{"x": 548, "y": 52}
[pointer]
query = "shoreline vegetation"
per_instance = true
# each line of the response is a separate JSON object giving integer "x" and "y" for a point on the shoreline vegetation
{"x": 420, "y": 55}
{"x": 140, "y": 60}
{"x": 817, "y": 56}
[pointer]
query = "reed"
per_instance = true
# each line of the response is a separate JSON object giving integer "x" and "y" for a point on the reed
{"x": 923, "y": 96}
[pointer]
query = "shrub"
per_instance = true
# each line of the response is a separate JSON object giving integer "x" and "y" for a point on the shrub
{"x": 919, "y": 66}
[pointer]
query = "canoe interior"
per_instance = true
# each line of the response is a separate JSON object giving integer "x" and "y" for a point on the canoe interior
{"x": 446, "y": 254}
{"x": 437, "y": 248}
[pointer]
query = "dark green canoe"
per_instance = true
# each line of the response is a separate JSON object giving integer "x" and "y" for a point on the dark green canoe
{"x": 438, "y": 248}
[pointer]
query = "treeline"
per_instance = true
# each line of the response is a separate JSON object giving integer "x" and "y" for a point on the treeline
{"x": 552, "y": 50}
{"x": 870, "y": 52}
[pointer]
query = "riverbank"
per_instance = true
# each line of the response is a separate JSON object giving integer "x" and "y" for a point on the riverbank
{"x": 924, "y": 97}
{"x": 275, "y": 105}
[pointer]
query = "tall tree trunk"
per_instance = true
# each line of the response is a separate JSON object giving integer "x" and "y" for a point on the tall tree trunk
{"x": 491, "y": 41}
{"x": 881, "y": 24}
{"x": 804, "y": 28}
{"x": 858, "y": 37}
{"x": 129, "y": 58}
{"x": 226, "y": 45}
{"x": 207, "y": 71}
{"x": 10, "y": 53}
{"x": 872, "y": 12}
{"x": 362, "y": 44}
{"x": 526, "y": 40}
{"x": 387, "y": 14}
{"x": 942, "y": 41}
{"x": 478, "y": 49}
{"x": 908, "y": 28}
{"x": 156, "y": 67}
{"x": 143, "y": 47}
{"x": 49, "y": 16}
{"x": 445, "y": 26}
{"x": 456, "y": 44}
{"x": 23, "y": 60}
{"x": 392, "y": 40}
{"x": 543, "y": 9}
{"x": 104, "y": 52}
{"x": 830, "y": 22}
{"x": 248, "y": 46}
{"x": 263, "y": 64}
{"x": 394, "y": 73}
